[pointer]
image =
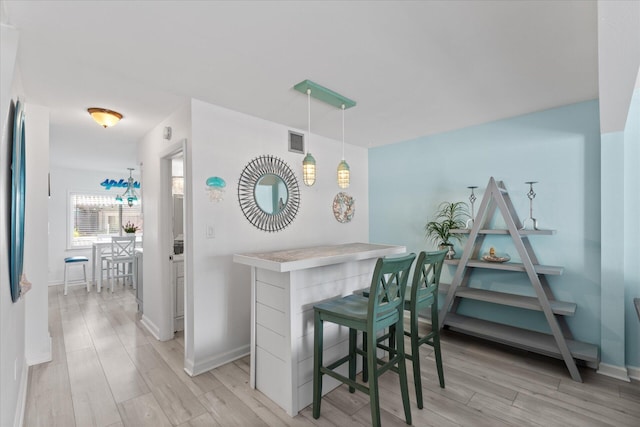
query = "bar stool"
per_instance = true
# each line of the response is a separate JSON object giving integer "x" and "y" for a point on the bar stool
{"x": 423, "y": 293}
{"x": 75, "y": 260}
{"x": 382, "y": 310}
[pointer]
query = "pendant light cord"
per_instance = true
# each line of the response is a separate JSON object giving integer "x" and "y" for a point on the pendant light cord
{"x": 309, "y": 117}
{"x": 342, "y": 131}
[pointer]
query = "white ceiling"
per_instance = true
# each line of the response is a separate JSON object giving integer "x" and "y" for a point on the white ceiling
{"x": 414, "y": 68}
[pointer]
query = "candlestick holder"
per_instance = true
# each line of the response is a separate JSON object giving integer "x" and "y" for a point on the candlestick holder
{"x": 531, "y": 195}
{"x": 472, "y": 199}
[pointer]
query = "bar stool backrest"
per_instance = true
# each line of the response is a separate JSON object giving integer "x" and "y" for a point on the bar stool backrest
{"x": 426, "y": 276}
{"x": 123, "y": 247}
{"x": 388, "y": 286}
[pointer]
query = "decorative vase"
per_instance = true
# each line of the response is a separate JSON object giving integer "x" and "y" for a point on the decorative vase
{"x": 450, "y": 251}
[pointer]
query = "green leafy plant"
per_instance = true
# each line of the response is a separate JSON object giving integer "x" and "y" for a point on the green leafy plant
{"x": 130, "y": 227}
{"x": 449, "y": 216}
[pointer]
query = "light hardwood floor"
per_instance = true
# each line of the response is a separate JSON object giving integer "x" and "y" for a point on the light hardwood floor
{"x": 108, "y": 371}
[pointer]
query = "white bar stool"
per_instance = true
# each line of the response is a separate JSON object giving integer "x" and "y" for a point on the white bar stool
{"x": 75, "y": 260}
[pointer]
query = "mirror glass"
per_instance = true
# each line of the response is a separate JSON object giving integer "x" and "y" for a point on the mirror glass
{"x": 268, "y": 193}
{"x": 271, "y": 194}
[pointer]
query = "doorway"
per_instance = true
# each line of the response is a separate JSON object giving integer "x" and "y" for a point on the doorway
{"x": 177, "y": 238}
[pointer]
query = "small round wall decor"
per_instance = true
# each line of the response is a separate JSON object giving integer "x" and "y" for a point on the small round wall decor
{"x": 344, "y": 207}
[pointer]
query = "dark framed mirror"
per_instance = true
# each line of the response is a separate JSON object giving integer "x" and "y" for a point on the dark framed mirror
{"x": 268, "y": 193}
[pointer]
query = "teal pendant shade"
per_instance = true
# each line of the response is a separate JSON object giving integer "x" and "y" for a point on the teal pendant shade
{"x": 309, "y": 170}
{"x": 343, "y": 174}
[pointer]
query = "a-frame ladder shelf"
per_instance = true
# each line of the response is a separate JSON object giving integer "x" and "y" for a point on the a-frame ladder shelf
{"x": 560, "y": 342}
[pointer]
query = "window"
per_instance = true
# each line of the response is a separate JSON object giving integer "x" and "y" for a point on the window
{"x": 93, "y": 216}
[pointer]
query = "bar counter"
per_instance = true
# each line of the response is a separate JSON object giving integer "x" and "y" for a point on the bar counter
{"x": 284, "y": 287}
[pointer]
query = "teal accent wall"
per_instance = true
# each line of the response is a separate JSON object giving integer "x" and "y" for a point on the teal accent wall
{"x": 612, "y": 346}
{"x": 632, "y": 230}
{"x": 559, "y": 147}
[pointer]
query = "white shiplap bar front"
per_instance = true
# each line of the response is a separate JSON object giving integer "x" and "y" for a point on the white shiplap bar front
{"x": 284, "y": 287}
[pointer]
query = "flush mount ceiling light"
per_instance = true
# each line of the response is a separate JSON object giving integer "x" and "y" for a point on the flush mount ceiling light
{"x": 330, "y": 97}
{"x": 105, "y": 118}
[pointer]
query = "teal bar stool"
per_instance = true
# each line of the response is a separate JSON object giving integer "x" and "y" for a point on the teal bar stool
{"x": 75, "y": 260}
{"x": 369, "y": 315}
{"x": 422, "y": 294}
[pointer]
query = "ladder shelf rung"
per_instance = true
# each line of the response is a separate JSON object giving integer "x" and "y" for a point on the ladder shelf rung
{"x": 531, "y": 303}
{"x": 525, "y": 339}
{"x": 504, "y": 231}
{"x": 508, "y": 266}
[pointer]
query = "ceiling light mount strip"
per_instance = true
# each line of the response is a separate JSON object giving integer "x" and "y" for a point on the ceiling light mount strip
{"x": 323, "y": 94}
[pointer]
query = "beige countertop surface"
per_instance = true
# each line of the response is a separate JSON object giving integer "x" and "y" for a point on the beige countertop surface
{"x": 317, "y": 256}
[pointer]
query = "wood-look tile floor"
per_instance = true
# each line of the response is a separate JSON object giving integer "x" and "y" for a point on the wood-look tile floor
{"x": 107, "y": 370}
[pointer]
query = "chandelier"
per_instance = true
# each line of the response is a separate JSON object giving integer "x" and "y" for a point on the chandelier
{"x": 130, "y": 194}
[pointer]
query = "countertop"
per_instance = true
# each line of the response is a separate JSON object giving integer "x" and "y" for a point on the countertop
{"x": 298, "y": 259}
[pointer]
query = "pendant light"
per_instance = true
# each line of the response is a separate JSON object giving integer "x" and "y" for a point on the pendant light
{"x": 130, "y": 194}
{"x": 309, "y": 163}
{"x": 343, "y": 167}
{"x": 330, "y": 97}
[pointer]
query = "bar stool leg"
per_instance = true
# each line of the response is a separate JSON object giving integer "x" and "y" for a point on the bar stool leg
{"x": 84, "y": 272}
{"x": 317, "y": 363}
{"x": 66, "y": 284}
{"x": 374, "y": 399}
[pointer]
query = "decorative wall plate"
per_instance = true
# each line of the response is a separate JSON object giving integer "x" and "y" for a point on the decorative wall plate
{"x": 268, "y": 193}
{"x": 344, "y": 207}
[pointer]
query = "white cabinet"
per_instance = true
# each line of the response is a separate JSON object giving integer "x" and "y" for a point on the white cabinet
{"x": 178, "y": 288}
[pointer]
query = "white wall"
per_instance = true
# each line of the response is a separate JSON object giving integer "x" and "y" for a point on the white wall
{"x": 157, "y": 245}
{"x": 618, "y": 64}
{"x": 13, "y": 367}
{"x": 24, "y": 335}
{"x": 38, "y": 340}
{"x": 222, "y": 142}
{"x": 63, "y": 182}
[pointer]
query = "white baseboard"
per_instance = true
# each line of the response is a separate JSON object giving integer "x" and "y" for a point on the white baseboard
{"x": 21, "y": 407}
{"x": 634, "y": 372}
{"x": 613, "y": 371}
{"x": 213, "y": 362}
{"x": 151, "y": 327}
{"x": 43, "y": 357}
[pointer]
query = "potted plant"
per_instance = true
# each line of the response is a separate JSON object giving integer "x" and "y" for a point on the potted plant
{"x": 130, "y": 228}
{"x": 449, "y": 216}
